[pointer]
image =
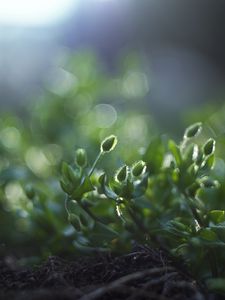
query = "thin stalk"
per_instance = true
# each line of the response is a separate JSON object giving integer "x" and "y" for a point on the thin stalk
{"x": 95, "y": 163}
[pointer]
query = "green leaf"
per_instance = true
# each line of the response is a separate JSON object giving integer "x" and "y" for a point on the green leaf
{"x": 154, "y": 155}
{"x": 208, "y": 234}
{"x": 66, "y": 187}
{"x": 73, "y": 176}
{"x": 216, "y": 216}
{"x": 85, "y": 187}
{"x": 64, "y": 170}
{"x": 175, "y": 151}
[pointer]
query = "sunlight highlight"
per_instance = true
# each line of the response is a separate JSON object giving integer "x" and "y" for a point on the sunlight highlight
{"x": 34, "y": 13}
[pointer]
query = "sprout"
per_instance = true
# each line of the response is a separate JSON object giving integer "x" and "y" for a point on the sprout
{"x": 138, "y": 168}
{"x": 108, "y": 144}
{"x": 193, "y": 130}
{"x": 121, "y": 174}
{"x": 81, "y": 158}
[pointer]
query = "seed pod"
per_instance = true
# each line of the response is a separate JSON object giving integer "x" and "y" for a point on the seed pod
{"x": 193, "y": 130}
{"x": 209, "y": 147}
{"x": 81, "y": 158}
{"x": 121, "y": 174}
{"x": 108, "y": 144}
{"x": 75, "y": 221}
{"x": 138, "y": 168}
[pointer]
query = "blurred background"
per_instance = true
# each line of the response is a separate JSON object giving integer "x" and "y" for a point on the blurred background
{"x": 180, "y": 45}
{"x": 75, "y": 71}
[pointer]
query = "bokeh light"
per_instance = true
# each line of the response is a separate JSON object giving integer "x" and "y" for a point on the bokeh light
{"x": 34, "y": 13}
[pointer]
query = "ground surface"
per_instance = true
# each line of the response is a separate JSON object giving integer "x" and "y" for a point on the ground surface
{"x": 143, "y": 274}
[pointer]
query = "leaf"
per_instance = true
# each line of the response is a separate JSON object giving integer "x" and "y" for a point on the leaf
{"x": 154, "y": 155}
{"x": 208, "y": 234}
{"x": 85, "y": 187}
{"x": 64, "y": 170}
{"x": 73, "y": 176}
{"x": 175, "y": 151}
{"x": 65, "y": 187}
{"x": 216, "y": 216}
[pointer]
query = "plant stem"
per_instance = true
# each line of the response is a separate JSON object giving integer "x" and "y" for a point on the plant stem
{"x": 95, "y": 163}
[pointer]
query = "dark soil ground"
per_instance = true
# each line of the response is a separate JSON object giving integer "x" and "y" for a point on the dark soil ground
{"x": 141, "y": 275}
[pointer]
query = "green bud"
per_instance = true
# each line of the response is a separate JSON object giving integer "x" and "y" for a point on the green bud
{"x": 30, "y": 192}
{"x": 121, "y": 174}
{"x": 108, "y": 144}
{"x": 81, "y": 158}
{"x": 75, "y": 221}
{"x": 138, "y": 168}
{"x": 209, "y": 147}
{"x": 193, "y": 130}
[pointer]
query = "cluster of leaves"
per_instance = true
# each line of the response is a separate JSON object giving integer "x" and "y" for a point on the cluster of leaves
{"x": 165, "y": 200}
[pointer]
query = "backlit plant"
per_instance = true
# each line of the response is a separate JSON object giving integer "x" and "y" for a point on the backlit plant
{"x": 165, "y": 199}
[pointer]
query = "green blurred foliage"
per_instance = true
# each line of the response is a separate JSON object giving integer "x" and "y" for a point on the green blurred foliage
{"x": 80, "y": 104}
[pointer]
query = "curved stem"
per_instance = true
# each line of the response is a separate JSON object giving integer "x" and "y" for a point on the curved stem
{"x": 94, "y": 164}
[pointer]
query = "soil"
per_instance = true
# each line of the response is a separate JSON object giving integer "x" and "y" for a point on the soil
{"x": 142, "y": 274}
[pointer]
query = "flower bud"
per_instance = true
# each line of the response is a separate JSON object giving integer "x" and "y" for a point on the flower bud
{"x": 193, "y": 130}
{"x": 81, "y": 158}
{"x": 138, "y": 168}
{"x": 108, "y": 144}
{"x": 209, "y": 147}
